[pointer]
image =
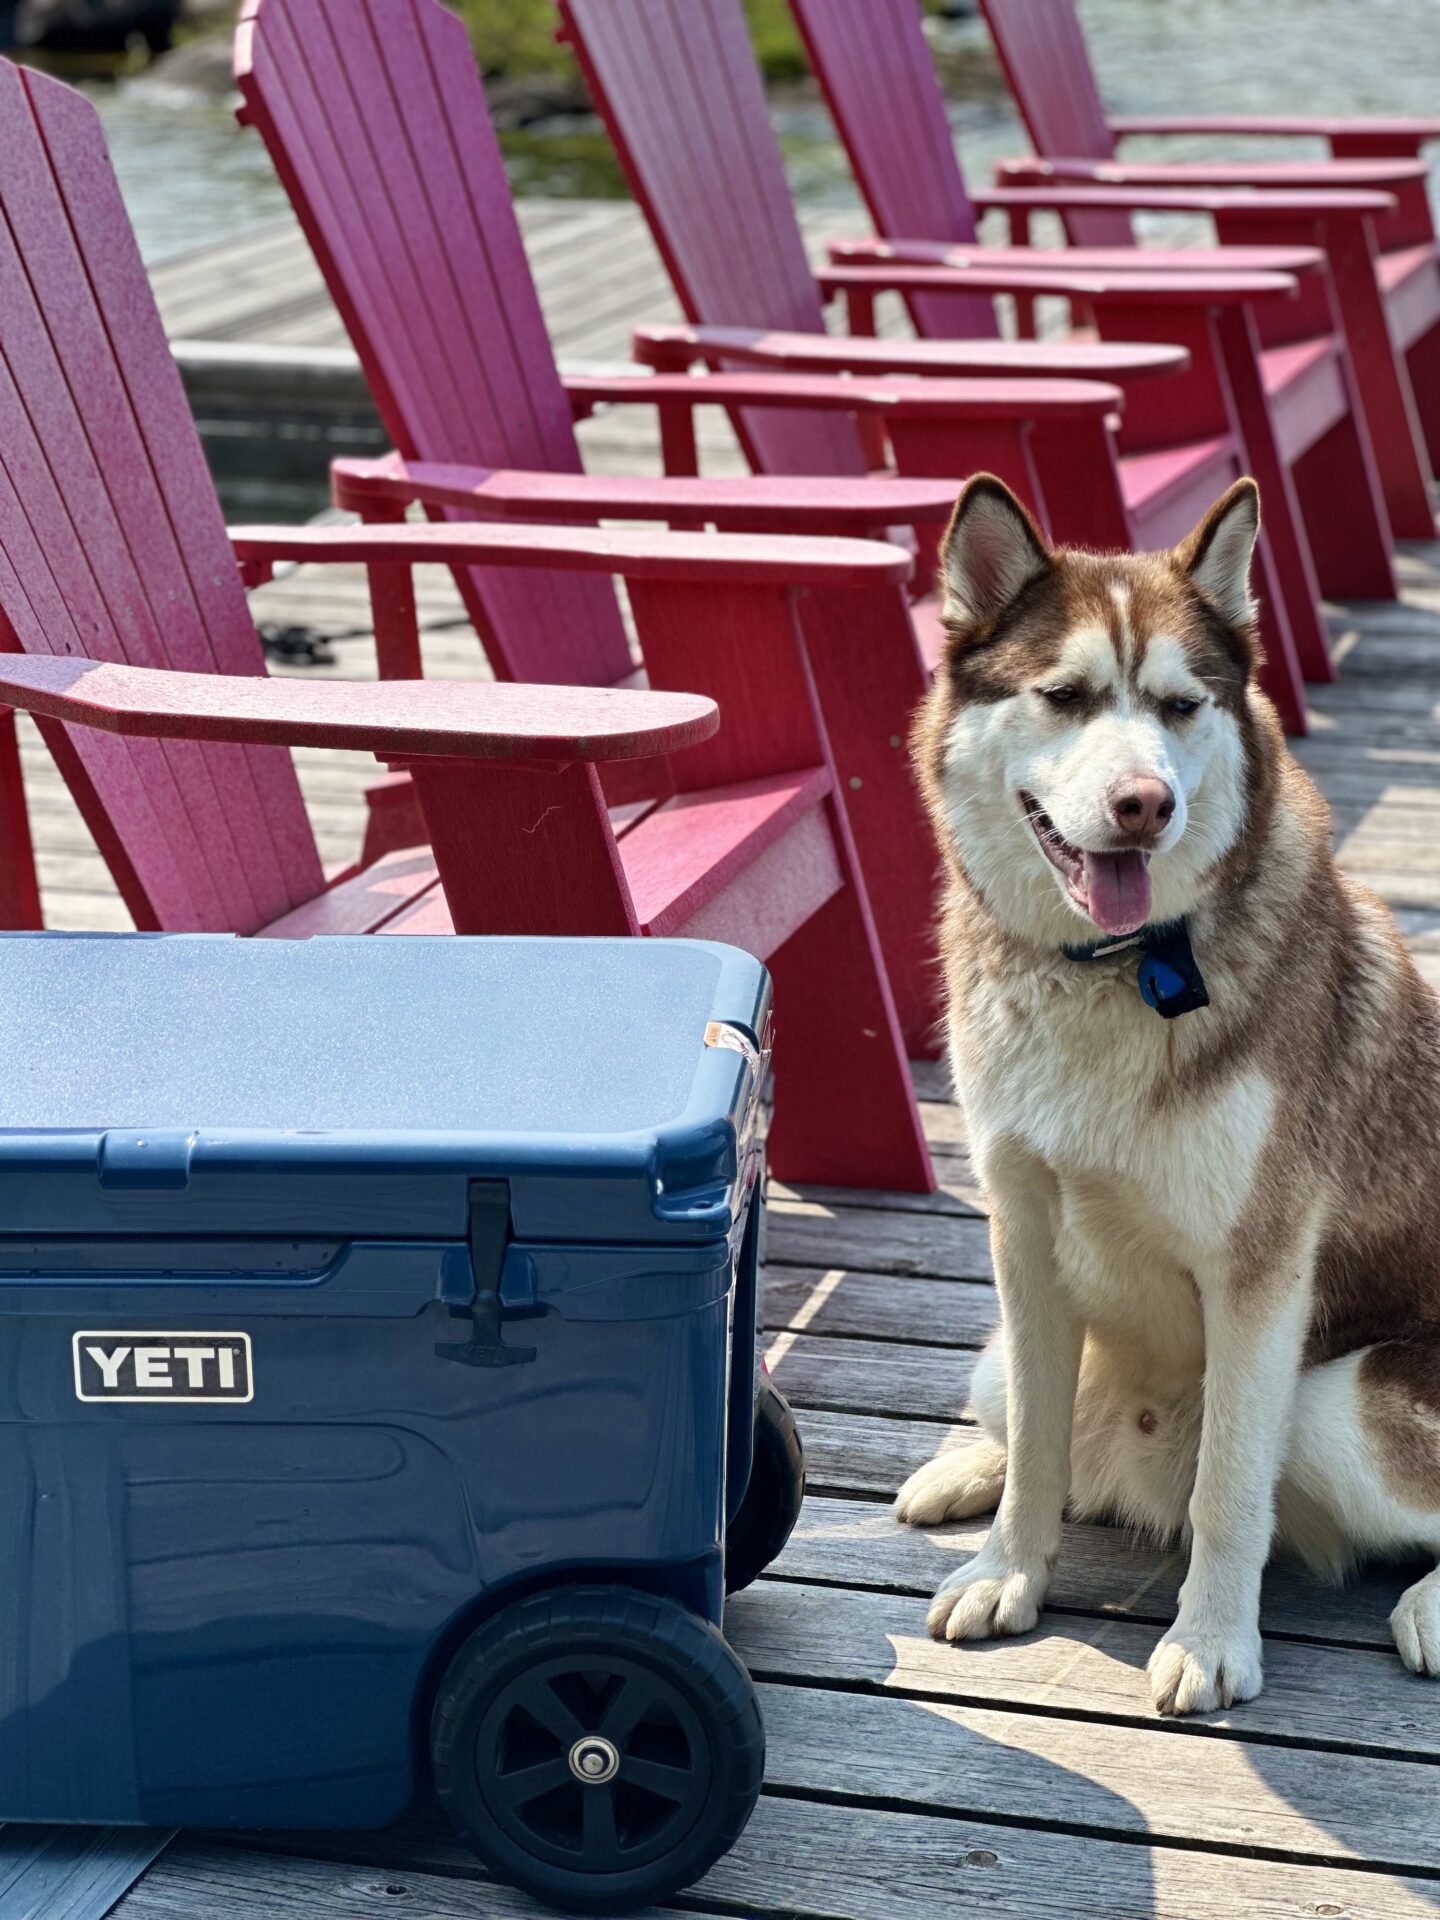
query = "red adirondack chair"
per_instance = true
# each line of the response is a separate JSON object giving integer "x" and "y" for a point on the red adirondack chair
{"x": 118, "y": 578}
{"x": 375, "y": 117}
{"x": 677, "y": 85}
{"x": 1386, "y": 267}
{"x": 1304, "y": 434}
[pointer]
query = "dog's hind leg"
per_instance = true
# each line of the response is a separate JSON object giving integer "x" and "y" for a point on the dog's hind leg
{"x": 967, "y": 1479}
{"x": 1362, "y": 1475}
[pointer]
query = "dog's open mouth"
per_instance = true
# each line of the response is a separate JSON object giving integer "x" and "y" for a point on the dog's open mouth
{"x": 1113, "y": 889}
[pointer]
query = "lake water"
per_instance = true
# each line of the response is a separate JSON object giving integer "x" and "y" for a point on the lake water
{"x": 192, "y": 177}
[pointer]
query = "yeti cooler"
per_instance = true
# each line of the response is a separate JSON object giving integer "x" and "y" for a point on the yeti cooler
{"x": 350, "y": 1289}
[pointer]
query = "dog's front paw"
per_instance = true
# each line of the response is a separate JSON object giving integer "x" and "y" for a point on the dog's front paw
{"x": 1415, "y": 1624}
{"x": 956, "y": 1485}
{"x": 984, "y": 1602}
{"x": 1199, "y": 1670}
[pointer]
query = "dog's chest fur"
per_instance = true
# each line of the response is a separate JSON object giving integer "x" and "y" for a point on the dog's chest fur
{"x": 1080, "y": 1073}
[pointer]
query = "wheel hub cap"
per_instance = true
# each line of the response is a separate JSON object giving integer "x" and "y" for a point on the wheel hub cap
{"x": 594, "y": 1761}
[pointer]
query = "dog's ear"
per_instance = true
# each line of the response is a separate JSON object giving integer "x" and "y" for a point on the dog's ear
{"x": 1216, "y": 556}
{"x": 992, "y": 550}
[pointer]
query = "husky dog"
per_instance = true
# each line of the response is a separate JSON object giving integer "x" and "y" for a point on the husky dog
{"x": 1202, "y": 1082}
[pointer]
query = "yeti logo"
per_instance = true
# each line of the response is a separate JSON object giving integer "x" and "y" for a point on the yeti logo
{"x": 187, "y": 1369}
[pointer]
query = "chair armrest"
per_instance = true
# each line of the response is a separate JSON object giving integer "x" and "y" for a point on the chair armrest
{"x": 731, "y": 559}
{"x": 897, "y": 398}
{"x": 465, "y": 719}
{"x": 1263, "y": 175}
{"x": 1064, "y": 195}
{"x": 1129, "y": 288}
{"x": 1136, "y": 259}
{"x": 1288, "y": 126}
{"x": 758, "y": 503}
{"x": 678, "y": 346}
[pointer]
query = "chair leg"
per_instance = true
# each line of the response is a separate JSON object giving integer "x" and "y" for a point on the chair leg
{"x": 845, "y": 1111}
{"x": 869, "y": 677}
{"x": 1078, "y": 469}
{"x": 1280, "y": 676}
{"x": 392, "y": 606}
{"x": 1423, "y": 361}
{"x": 19, "y": 887}
{"x": 524, "y": 850}
{"x": 1345, "y": 517}
{"x": 1381, "y": 376}
{"x": 1384, "y": 382}
{"x": 1291, "y": 552}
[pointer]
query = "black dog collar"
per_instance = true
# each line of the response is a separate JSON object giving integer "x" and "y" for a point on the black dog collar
{"x": 1168, "y": 978}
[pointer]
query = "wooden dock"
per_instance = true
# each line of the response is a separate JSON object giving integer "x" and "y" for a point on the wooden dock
{"x": 907, "y": 1781}
{"x": 278, "y": 390}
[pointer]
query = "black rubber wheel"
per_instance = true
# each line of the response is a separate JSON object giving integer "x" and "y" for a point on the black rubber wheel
{"x": 598, "y": 1747}
{"x": 771, "y": 1506}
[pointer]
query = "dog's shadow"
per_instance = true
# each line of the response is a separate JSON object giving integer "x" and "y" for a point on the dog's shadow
{"x": 1333, "y": 1763}
{"x": 950, "y": 1809}
{"x": 973, "y": 1773}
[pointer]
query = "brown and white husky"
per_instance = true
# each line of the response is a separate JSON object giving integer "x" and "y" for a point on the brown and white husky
{"x": 1215, "y": 1226}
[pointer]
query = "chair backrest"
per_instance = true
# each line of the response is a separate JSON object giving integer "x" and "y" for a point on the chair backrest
{"x": 375, "y": 117}
{"x": 879, "y": 81}
{"x": 1042, "y": 49}
{"x": 112, "y": 543}
{"x": 677, "y": 85}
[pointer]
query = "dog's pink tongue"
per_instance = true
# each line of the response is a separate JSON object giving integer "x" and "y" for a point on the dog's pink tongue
{"x": 1117, "y": 887}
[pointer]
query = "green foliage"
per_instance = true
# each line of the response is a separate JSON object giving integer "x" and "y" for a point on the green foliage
{"x": 776, "y": 42}
{"x": 515, "y": 36}
{"x": 518, "y": 37}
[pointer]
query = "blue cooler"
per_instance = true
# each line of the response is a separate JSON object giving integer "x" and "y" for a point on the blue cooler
{"x": 377, "y": 1378}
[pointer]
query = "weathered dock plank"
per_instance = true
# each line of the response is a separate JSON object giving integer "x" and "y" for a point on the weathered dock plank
{"x": 71, "y": 1873}
{"x": 955, "y": 1247}
{"x": 1318, "y": 1699}
{"x": 858, "y": 1543}
{"x": 897, "y": 1865}
{"x": 871, "y": 1454}
{"x": 872, "y": 1376}
{"x": 1136, "y": 1781}
{"x": 941, "y": 1313}
{"x": 195, "y": 1882}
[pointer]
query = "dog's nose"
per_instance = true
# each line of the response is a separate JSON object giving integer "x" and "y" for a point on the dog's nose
{"x": 1141, "y": 807}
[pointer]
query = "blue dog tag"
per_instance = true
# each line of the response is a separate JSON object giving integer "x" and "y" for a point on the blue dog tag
{"x": 1169, "y": 980}
{"x": 1159, "y": 983}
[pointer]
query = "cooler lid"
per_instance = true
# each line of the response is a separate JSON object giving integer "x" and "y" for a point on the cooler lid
{"x": 204, "y": 1084}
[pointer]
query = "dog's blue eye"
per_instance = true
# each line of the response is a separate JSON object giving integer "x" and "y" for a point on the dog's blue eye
{"x": 1180, "y": 708}
{"x": 1060, "y": 696}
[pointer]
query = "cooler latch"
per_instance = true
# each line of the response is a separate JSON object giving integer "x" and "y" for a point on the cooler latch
{"x": 489, "y": 1235}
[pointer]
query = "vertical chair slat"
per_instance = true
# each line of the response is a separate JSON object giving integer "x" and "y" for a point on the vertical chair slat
{"x": 881, "y": 85}
{"x": 700, "y": 154}
{"x": 381, "y": 134}
{"x": 113, "y": 540}
{"x": 1042, "y": 50}
{"x": 270, "y": 843}
{"x": 105, "y": 480}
